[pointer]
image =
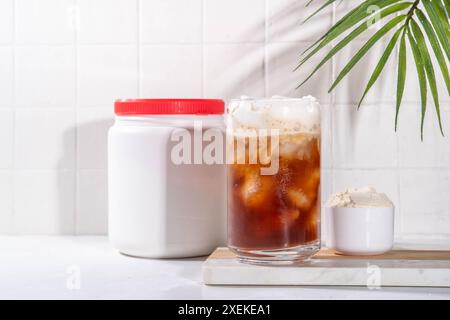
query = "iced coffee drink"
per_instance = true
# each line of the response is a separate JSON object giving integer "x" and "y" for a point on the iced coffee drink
{"x": 274, "y": 179}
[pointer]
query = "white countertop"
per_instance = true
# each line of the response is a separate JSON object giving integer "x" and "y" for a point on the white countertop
{"x": 48, "y": 267}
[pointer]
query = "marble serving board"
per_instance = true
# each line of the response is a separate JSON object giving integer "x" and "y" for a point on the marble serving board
{"x": 406, "y": 268}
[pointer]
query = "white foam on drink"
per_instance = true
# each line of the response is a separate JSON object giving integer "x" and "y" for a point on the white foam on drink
{"x": 288, "y": 115}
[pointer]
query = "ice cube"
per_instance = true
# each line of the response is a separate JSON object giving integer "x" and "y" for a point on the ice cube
{"x": 289, "y": 150}
{"x": 307, "y": 149}
{"x": 256, "y": 189}
{"x": 288, "y": 216}
{"x": 300, "y": 199}
{"x": 313, "y": 180}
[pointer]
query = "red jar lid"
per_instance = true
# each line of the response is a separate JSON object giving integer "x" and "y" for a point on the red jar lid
{"x": 168, "y": 106}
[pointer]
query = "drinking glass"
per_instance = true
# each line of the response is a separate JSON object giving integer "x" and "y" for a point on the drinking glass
{"x": 273, "y": 150}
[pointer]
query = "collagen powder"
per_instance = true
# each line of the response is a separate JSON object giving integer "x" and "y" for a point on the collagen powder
{"x": 366, "y": 197}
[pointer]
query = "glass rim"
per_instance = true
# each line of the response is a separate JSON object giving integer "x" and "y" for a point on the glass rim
{"x": 274, "y": 98}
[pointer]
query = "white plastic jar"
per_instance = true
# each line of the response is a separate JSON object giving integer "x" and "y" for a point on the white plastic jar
{"x": 159, "y": 207}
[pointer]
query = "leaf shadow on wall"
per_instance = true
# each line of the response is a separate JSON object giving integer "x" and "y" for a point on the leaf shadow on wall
{"x": 90, "y": 201}
{"x": 254, "y": 72}
{"x": 284, "y": 21}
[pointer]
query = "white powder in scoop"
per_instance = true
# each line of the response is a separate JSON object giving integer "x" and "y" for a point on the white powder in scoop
{"x": 366, "y": 197}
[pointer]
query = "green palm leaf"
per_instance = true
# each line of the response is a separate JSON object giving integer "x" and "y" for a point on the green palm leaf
{"x": 355, "y": 33}
{"x": 440, "y": 10}
{"x": 326, "y": 33}
{"x": 326, "y": 4}
{"x": 429, "y": 70}
{"x": 433, "y": 40}
{"x": 359, "y": 14}
{"x": 434, "y": 30}
{"x": 401, "y": 77}
{"x": 447, "y": 7}
{"x": 438, "y": 26}
{"x": 365, "y": 48}
{"x": 422, "y": 78}
{"x": 380, "y": 66}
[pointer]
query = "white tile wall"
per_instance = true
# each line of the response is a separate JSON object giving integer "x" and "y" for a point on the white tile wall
{"x": 91, "y": 202}
{"x": 44, "y": 139}
{"x": 6, "y": 21}
{"x": 6, "y": 76}
{"x": 234, "y": 21}
{"x": 107, "y": 21}
{"x": 44, "y": 202}
{"x": 6, "y": 138}
{"x": 364, "y": 138}
{"x": 234, "y": 69}
{"x": 434, "y": 151}
{"x": 282, "y": 58}
{"x": 44, "y": 21}
{"x": 171, "y": 21}
{"x": 326, "y": 141}
{"x": 92, "y": 124}
{"x": 421, "y": 191}
{"x": 63, "y": 62}
{"x": 105, "y": 73}
{"x": 6, "y": 202}
{"x": 45, "y": 76}
{"x": 171, "y": 70}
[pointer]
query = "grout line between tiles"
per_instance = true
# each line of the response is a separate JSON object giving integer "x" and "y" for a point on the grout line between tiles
{"x": 13, "y": 145}
{"x": 138, "y": 49}
{"x": 399, "y": 204}
{"x": 45, "y": 45}
{"x": 150, "y": 44}
{"x": 332, "y": 111}
{"x": 75, "y": 173}
{"x": 156, "y": 43}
